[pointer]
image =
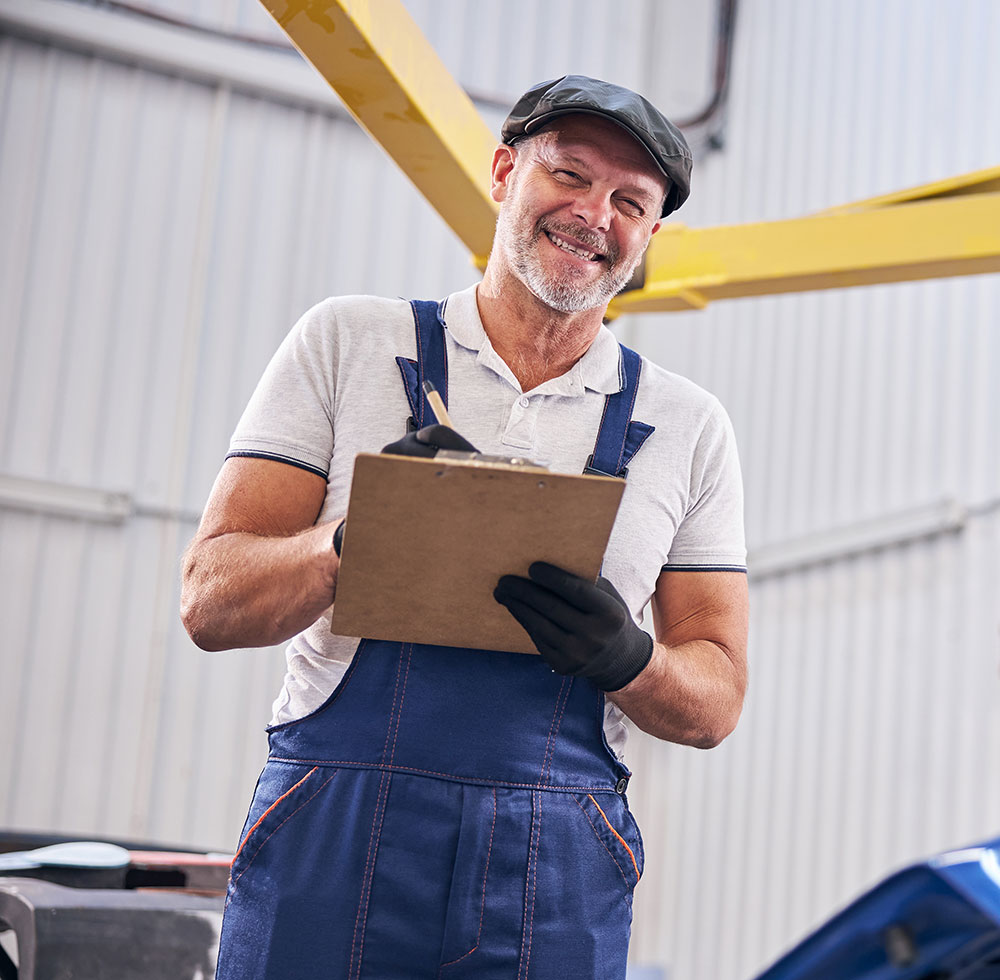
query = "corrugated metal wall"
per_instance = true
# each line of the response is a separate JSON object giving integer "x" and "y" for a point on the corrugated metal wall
{"x": 497, "y": 50}
{"x": 867, "y": 416}
{"x": 160, "y": 231}
{"x": 160, "y": 236}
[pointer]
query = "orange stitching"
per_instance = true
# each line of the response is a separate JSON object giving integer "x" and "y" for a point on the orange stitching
{"x": 374, "y": 840}
{"x": 399, "y": 712}
{"x": 550, "y": 745}
{"x": 482, "y": 907}
{"x": 399, "y": 672}
{"x": 269, "y": 809}
{"x": 280, "y": 825}
{"x": 475, "y": 780}
{"x": 361, "y": 920}
{"x": 619, "y": 836}
{"x": 528, "y": 926}
{"x": 600, "y": 840}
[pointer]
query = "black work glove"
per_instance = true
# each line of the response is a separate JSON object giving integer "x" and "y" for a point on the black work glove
{"x": 579, "y": 627}
{"x": 338, "y": 537}
{"x": 428, "y": 440}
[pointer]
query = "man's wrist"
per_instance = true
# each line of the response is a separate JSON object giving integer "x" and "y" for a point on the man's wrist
{"x": 630, "y": 663}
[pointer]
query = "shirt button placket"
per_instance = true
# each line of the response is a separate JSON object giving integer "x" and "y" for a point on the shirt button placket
{"x": 520, "y": 429}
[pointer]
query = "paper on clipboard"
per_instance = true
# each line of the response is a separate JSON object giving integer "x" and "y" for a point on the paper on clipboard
{"x": 427, "y": 540}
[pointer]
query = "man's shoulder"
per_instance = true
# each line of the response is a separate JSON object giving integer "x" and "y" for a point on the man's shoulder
{"x": 342, "y": 323}
{"x": 377, "y": 319}
{"x": 360, "y": 308}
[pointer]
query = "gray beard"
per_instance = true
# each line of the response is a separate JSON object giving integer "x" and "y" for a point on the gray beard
{"x": 561, "y": 295}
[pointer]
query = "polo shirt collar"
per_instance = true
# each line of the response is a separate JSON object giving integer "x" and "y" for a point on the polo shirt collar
{"x": 600, "y": 369}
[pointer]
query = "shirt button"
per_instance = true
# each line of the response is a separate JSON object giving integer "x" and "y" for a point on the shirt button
{"x": 523, "y": 402}
{"x": 621, "y": 786}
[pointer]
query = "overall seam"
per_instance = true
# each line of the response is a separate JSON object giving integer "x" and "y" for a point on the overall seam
{"x": 408, "y": 648}
{"x": 361, "y": 920}
{"x": 631, "y": 406}
{"x": 263, "y": 816}
{"x": 472, "y": 780}
{"x": 420, "y": 364}
{"x": 619, "y": 836}
{"x": 444, "y": 354}
{"x": 528, "y": 920}
{"x": 392, "y": 727}
{"x": 330, "y": 701}
{"x": 601, "y": 842}
{"x": 378, "y": 818}
{"x": 406, "y": 387}
{"x": 276, "y": 829}
{"x": 562, "y": 699}
{"x": 482, "y": 907}
{"x": 641, "y": 442}
{"x": 600, "y": 430}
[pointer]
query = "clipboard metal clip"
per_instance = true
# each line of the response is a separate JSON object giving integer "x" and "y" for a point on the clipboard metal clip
{"x": 460, "y": 456}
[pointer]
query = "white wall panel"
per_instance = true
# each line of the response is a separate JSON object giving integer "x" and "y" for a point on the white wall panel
{"x": 165, "y": 236}
{"x": 870, "y": 730}
{"x": 161, "y": 234}
{"x": 662, "y": 47}
{"x": 872, "y": 717}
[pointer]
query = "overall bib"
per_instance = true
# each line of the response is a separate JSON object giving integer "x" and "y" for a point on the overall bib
{"x": 447, "y": 812}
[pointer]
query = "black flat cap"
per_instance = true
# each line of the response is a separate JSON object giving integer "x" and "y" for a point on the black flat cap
{"x": 577, "y": 93}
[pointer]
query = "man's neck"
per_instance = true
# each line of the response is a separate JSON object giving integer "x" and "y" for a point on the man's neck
{"x": 536, "y": 342}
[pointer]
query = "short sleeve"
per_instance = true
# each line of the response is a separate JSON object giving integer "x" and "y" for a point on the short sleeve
{"x": 711, "y": 536}
{"x": 290, "y": 415}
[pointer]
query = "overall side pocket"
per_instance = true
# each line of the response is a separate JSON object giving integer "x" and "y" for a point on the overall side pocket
{"x": 616, "y": 831}
{"x": 282, "y": 791}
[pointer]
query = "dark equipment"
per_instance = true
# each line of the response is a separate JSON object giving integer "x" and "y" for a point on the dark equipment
{"x": 154, "y": 915}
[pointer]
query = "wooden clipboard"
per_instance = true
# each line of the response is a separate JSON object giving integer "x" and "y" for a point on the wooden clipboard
{"x": 426, "y": 541}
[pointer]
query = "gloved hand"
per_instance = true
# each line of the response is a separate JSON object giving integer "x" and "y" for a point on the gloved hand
{"x": 428, "y": 440}
{"x": 579, "y": 627}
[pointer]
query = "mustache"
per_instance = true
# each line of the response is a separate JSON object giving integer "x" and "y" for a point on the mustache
{"x": 587, "y": 238}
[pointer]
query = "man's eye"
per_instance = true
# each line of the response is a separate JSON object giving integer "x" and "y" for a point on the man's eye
{"x": 570, "y": 174}
{"x": 633, "y": 207}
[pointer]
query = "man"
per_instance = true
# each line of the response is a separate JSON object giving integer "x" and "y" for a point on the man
{"x": 428, "y": 811}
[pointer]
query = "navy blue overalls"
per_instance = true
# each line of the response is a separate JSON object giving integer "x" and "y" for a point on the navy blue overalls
{"x": 447, "y": 812}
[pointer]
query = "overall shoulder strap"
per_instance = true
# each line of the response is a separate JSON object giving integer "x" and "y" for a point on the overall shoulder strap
{"x": 619, "y": 437}
{"x": 431, "y": 363}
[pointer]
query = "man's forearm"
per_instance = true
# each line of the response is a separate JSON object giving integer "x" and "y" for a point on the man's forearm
{"x": 691, "y": 693}
{"x": 246, "y": 590}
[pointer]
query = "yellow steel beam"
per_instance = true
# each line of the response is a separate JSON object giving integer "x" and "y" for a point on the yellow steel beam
{"x": 391, "y": 80}
{"x": 686, "y": 268}
{"x": 977, "y": 182}
{"x": 389, "y": 77}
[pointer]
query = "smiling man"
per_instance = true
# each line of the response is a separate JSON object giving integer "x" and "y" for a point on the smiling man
{"x": 613, "y": 216}
{"x": 438, "y": 812}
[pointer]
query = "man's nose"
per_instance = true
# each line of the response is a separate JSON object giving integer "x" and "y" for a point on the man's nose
{"x": 594, "y": 208}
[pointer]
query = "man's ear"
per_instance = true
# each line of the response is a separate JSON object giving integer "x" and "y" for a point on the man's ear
{"x": 652, "y": 232}
{"x": 503, "y": 164}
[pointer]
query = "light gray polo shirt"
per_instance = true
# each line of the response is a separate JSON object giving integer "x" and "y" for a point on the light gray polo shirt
{"x": 333, "y": 389}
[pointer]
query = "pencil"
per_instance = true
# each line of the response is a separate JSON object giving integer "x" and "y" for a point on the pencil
{"x": 437, "y": 405}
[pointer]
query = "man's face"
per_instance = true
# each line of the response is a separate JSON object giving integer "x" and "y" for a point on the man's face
{"x": 577, "y": 209}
